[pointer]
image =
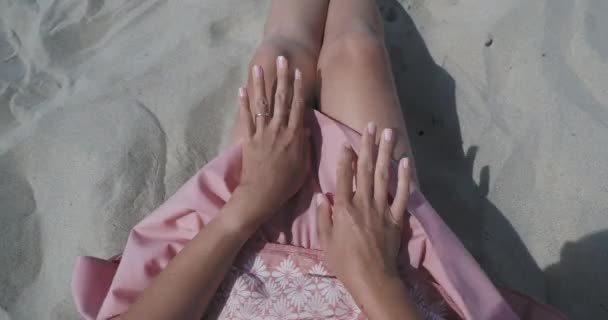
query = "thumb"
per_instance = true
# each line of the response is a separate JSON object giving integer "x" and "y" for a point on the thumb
{"x": 324, "y": 221}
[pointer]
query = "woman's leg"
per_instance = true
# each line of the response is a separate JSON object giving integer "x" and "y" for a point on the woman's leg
{"x": 294, "y": 29}
{"x": 356, "y": 81}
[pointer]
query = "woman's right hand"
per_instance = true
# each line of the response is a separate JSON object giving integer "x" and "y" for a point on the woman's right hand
{"x": 361, "y": 234}
{"x": 276, "y": 149}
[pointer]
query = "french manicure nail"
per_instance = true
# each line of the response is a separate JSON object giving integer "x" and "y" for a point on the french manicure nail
{"x": 241, "y": 92}
{"x": 388, "y": 134}
{"x": 371, "y": 128}
{"x": 257, "y": 71}
{"x": 281, "y": 62}
{"x": 319, "y": 199}
{"x": 298, "y": 74}
{"x": 405, "y": 162}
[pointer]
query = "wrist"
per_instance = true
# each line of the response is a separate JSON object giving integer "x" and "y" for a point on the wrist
{"x": 241, "y": 214}
{"x": 385, "y": 296}
{"x": 259, "y": 200}
{"x": 372, "y": 285}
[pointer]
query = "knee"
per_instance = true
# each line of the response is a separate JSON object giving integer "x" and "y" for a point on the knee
{"x": 356, "y": 47}
{"x": 272, "y": 47}
{"x": 297, "y": 55}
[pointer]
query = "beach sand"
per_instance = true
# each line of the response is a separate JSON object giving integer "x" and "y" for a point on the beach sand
{"x": 106, "y": 107}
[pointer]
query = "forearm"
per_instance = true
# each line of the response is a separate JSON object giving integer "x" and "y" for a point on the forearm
{"x": 185, "y": 287}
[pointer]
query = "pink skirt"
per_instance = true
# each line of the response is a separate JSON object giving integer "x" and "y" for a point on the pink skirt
{"x": 280, "y": 273}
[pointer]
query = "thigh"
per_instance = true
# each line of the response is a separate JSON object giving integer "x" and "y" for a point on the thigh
{"x": 357, "y": 85}
{"x": 356, "y": 80}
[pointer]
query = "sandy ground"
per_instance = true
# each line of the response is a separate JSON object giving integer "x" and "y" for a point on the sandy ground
{"x": 106, "y": 107}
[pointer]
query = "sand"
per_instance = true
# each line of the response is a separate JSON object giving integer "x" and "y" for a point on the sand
{"x": 106, "y": 107}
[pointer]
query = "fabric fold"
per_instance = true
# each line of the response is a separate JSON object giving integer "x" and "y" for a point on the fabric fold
{"x": 103, "y": 289}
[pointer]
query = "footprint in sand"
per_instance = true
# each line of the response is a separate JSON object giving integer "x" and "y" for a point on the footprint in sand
{"x": 20, "y": 253}
{"x": 12, "y": 72}
{"x": 25, "y": 82}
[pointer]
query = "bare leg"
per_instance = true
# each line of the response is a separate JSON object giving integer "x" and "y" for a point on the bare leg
{"x": 294, "y": 29}
{"x": 357, "y": 84}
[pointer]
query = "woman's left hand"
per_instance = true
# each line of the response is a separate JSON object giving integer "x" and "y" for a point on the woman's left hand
{"x": 361, "y": 234}
{"x": 276, "y": 149}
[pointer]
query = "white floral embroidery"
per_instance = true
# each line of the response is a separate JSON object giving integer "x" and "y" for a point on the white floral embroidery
{"x": 350, "y": 302}
{"x": 347, "y": 309}
{"x": 437, "y": 310}
{"x": 299, "y": 291}
{"x": 257, "y": 270}
{"x": 331, "y": 289}
{"x": 318, "y": 270}
{"x": 225, "y": 314}
{"x": 281, "y": 310}
{"x": 430, "y": 310}
{"x": 271, "y": 289}
{"x": 416, "y": 295}
{"x": 283, "y": 292}
{"x": 286, "y": 272}
{"x": 317, "y": 309}
{"x": 266, "y": 294}
{"x": 238, "y": 295}
{"x": 248, "y": 311}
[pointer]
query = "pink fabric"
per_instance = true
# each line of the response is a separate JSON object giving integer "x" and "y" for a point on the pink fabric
{"x": 103, "y": 289}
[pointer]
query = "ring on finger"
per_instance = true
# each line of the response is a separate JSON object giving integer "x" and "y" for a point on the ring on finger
{"x": 263, "y": 114}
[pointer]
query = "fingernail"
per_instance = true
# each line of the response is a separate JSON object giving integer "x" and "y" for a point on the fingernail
{"x": 319, "y": 199}
{"x": 388, "y": 134}
{"x": 371, "y": 128}
{"x": 257, "y": 71}
{"x": 281, "y": 62}
{"x": 405, "y": 163}
{"x": 241, "y": 92}
{"x": 346, "y": 146}
{"x": 298, "y": 74}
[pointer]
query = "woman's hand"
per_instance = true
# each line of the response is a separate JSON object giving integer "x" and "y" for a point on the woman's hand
{"x": 276, "y": 162}
{"x": 276, "y": 150}
{"x": 362, "y": 237}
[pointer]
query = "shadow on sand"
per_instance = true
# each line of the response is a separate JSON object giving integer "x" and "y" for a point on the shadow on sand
{"x": 427, "y": 94}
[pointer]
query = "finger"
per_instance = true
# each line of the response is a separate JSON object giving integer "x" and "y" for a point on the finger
{"x": 245, "y": 112}
{"x": 296, "y": 117}
{"x": 261, "y": 109}
{"x": 281, "y": 94}
{"x": 365, "y": 163}
{"x": 324, "y": 222}
{"x": 381, "y": 175}
{"x": 344, "y": 188}
{"x": 402, "y": 195}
